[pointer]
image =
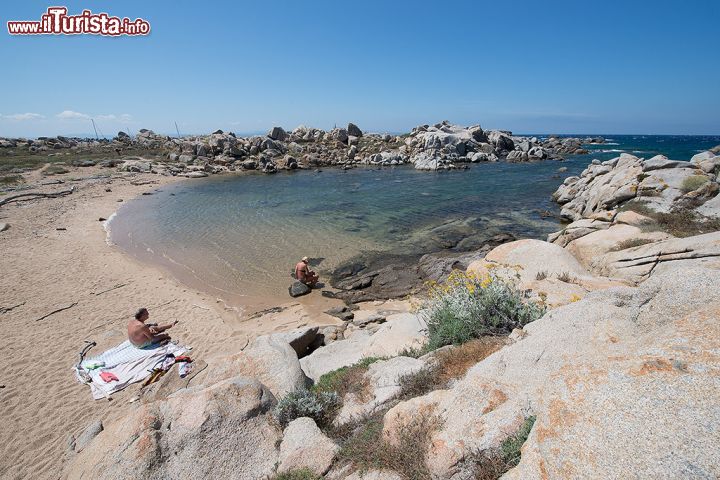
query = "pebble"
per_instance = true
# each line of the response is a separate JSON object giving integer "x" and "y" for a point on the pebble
{"x": 4, "y": 226}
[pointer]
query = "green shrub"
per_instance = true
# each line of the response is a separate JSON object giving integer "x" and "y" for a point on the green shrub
{"x": 346, "y": 379}
{"x": 302, "y": 474}
{"x": 320, "y": 406}
{"x": 11, "y": 179}
{"x": 468, "y": 307}
{"x": 693, "y": 182}
{"x": 510, "y": 448}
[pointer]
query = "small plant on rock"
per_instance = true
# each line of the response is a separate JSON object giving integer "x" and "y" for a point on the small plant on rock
{"x": 693, "y": 182}
{"x": 302, "y": 474}
{"x": 320, "y": 406}
{"x": 566, "y": 277}
{"x": 493, "y": 464}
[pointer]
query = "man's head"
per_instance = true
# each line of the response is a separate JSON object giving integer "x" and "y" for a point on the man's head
{"x": 142, "y": 314}
{"x": 305, "y": 260}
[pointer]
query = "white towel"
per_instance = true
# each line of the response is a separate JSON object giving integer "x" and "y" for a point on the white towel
{"x": 128, "y": 363}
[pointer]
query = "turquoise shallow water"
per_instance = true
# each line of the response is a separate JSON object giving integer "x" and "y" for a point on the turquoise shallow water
{"x": 239, "y": 236}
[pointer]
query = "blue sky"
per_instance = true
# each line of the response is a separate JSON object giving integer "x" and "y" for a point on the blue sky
{"x": 528, "y": 66}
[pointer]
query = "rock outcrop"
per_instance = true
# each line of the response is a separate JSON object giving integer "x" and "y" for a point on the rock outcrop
{"x": 624, "y": 363}
{"x": 222, "y": 431}
{"x": 305, "y": 446}
{"x": 660, "y": 183}
{"x": 549, "y": 271}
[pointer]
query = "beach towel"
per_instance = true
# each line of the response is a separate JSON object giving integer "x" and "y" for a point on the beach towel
{"x": 127, "y": 362}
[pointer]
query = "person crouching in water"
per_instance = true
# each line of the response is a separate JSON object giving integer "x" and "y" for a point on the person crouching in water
{"x": 304, "y": 274}
{"x": 144, "y": 336}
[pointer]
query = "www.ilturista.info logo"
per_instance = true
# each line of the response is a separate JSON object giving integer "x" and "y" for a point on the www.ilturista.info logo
{"x": 57, "y": 22}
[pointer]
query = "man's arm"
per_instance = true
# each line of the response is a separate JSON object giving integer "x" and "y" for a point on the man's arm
{"x": 162, "y": 328}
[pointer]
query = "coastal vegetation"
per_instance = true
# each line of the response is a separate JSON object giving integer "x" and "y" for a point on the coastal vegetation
{"x": 492, "y": 464}
{"x": 468, "y": 306}
{"x": 320, "y": 406}
{"x": 299, "y": 474}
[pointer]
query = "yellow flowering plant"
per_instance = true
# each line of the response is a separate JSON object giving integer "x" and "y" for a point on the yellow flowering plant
{"x": 469, "y": 305}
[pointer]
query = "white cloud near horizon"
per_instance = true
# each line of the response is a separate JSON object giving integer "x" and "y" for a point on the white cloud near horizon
{"x": 72, "y": 115}
{"x": 23, "y": 116}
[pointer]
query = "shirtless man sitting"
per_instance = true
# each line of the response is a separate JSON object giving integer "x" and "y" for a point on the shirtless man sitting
{"x": 304, "y": 274}
{"x": 143, "y": 336}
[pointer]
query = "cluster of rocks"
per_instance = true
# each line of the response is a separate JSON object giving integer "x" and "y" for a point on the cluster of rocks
{"x": 47, "y": 144}
{"x": 427, "y": 147}
{"x": 613, "y": 207}
{"x": 659, "y": 182}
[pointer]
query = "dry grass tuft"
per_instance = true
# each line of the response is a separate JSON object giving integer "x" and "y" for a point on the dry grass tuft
{"x": 450, "y": 364}
{"x": 630, "y": 243}
{"x": 369, "y": 450}
{"x": 566, "y": 277}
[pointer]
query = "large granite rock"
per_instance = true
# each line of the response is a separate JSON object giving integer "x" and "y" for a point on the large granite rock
{"x": 587, "y": 249}
{"x": 305, "y": 446}
{"x": 546, "y": 269}
{"x": 638, "y": 263}
{"x": 223, "y": 431}
{"x": 623, "y": 384}
{"x": 269, "y": 358}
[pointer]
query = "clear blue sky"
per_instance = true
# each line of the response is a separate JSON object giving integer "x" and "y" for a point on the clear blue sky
{"x": 529, "y": 66}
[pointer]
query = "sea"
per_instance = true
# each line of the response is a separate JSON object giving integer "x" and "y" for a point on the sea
{"x": 238, "y": 236}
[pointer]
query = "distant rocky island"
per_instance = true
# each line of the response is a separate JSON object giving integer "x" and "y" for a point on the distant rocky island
{"x": 442, "y": 146}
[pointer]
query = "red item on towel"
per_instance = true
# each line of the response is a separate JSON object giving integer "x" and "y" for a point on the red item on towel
{"x": 109, "y": 377}
{"x": 183, "y": 358}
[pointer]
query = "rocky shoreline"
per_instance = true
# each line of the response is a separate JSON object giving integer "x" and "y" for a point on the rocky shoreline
{"x": 441, "y": 146}
{"x": 628, "y": 345}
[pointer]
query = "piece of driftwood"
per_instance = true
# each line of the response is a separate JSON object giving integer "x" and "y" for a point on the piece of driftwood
{"x": 56, "y": 311}
{"x": 143, "y": 182}
{"x": 119, "y": 285}
{"x": 7, "y": 309}
{"x": 24, "y": 196}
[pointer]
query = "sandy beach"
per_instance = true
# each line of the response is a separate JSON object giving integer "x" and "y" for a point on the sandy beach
{"x": 55, "y": 255}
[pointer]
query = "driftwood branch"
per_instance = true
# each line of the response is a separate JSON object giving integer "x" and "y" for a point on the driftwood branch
{"x": 34, "y": 195}
{"x": 56, "y": 311}
{"x": 141, "y": 182}
{"x": 119, "y": 285}
{"x": 7, "y": 309}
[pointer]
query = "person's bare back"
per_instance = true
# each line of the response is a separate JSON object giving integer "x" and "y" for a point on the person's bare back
{"x": 142, "y": 335}
{"x": 304, "y": 274}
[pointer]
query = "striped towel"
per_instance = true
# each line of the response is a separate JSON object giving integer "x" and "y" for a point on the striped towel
{"x": 129, "y": 364}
